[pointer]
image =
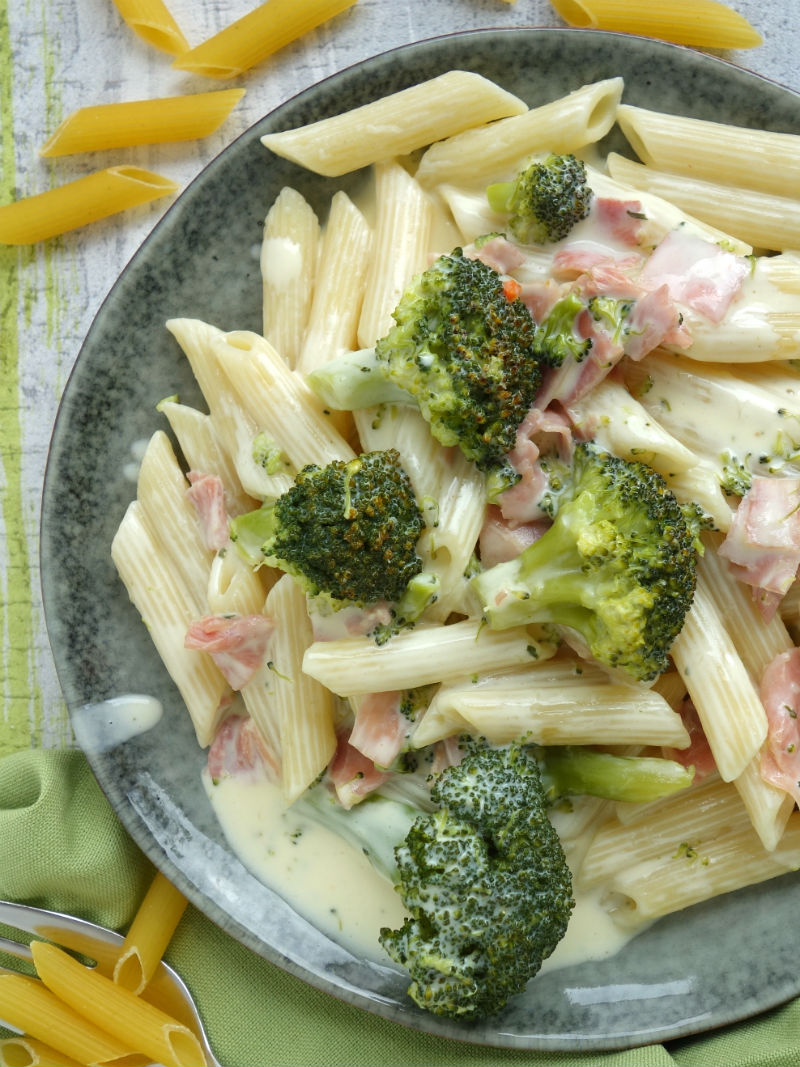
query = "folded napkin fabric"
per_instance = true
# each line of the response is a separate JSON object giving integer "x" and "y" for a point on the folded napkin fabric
{"x": 62, "y": 846}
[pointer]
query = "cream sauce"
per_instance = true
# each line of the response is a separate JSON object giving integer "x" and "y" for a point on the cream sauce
{"x": 335, "y": 887}
{"x": 102, "y": 726}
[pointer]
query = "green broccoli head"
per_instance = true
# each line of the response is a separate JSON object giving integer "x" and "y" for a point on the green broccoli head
{"x": 617, "y": 566}
{"x": 348, "y": 530}
{"x": 486, "y": 884}
{"x": 462, "y": 347}
{"x": 545, "y": 200}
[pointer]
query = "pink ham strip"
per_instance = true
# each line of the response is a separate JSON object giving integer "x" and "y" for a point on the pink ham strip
{"x": 780, "y": 694}
{"x": 380, "y": 728}
{"x": 354, "y": 775}
{"x": 208, "y": 496}
{"x": 239, "y": 751}
{"x": 236, "y": 643}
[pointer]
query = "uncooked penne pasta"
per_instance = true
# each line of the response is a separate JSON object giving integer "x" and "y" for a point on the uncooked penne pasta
{"x": 700, "y": 23}
{"x": 138, "y": 122}
{"x": 30, "y": 1052}
{"x": 400, "y": 247}
{"x": 153, "y": 22}
{"x": 153, "y": 925}
{"x": 764, "y": 220}
{"x": 85, "y": 200}
{"x": 395, "y": 125}
{"x": 131, "y": 1021}
{"x": 289, "y": 251}
{"x": 493, "y": 150}
{"x": 250, "y": 39}
{"x": 32, "y": 1008}
{"x": 714, "y": 151}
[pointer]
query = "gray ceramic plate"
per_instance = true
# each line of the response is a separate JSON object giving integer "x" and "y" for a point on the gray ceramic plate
{"x": 709, "y": 966}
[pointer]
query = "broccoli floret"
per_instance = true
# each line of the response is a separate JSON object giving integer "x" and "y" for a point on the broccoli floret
{"x": 462, "y": 349}
{"x": 348, "y": 530}
{"x": 545, "y": 200}
{"x": 487, "y": 886}
{"x": 478, "y": 864}
{"x": 617, "y": 566}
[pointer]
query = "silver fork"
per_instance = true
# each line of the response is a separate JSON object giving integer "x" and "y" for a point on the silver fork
{"x": 166, "y": 989}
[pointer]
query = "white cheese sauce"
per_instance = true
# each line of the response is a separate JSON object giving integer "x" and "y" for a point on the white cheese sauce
{"x": 336, "y": 888}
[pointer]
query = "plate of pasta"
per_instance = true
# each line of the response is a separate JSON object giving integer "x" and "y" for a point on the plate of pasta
{"x": 252, "y": 362}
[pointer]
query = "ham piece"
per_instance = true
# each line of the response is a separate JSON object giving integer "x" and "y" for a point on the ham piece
{"x": 780, "y": 695}
{"x": 208, "y": 496}
{"x": 239, "y": 751}
{"x": 236, "y": 643}
{"x": 763, "y": 542}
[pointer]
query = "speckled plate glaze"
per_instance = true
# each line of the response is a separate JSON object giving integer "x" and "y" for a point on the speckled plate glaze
{"x": 711, "y": 965}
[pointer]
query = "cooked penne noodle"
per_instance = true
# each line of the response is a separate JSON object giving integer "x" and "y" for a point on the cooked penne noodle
{"x": 32, "y": 1008}
{"x": 700, "y": 23}
{"x": 733, "y": 717}
{"x": 250, "y": 39}
{"x": 764, "y": 220}
{"x": 203, "y": 451}
{"x": 714, "y": 151}
{"x": 152, "y": 21}
{"x": 400, "y": 247}
{"x": 304, "y": 708}
{"x": 557, "y": 702}
{"x": 419, "y": 657}
{"x": 492, "y": 150}
{"x": 127, "y": 1018}
{"x": 289, "y": 251}
{"x": 339, "y": 286}
{"x": 138, "y": 122}
{"x": 153, "y": 925}
{"x": 395, "y": 125}
{"x": 85, "y": 200}
{"x": 234, "y": 587}
{"x": 267, "y": 390}
{"x": 697, "y": 871}
{"x": 167, "y": 608}
{"x": 30, "y": 1052}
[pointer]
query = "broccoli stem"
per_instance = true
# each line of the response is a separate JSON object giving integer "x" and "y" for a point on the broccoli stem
{"x": 573, "y": 771}
{"x": 356, "y": 380}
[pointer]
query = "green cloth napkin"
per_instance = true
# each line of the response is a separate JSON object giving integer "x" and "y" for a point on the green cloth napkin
{"x": 61, "y": 846}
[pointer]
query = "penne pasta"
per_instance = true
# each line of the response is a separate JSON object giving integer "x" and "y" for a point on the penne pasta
{"x": 289, "y": 251}
{"x": 494, "y": 150}
{"x": 128, "y": 1019}
{"x": 714, "y": 151}
{"x": 85, "y": 200}
{"x": 32, "y": 1008}
{"x": 153, "y": 925}
{"x": 764, "y": 220}
{"x": 700, "y": 23}
{"x": 419, "y": 657}
{"x": 395, "y": 125}
{"x": 400, "y": 247}
{"x": 152, "y": 21}
{"x": 30, "y": 1052}
{"x": 250, "y": 39}
{"x": 139, "y": 122}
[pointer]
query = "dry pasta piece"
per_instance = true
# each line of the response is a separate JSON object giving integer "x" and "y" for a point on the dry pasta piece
{"x": 85, "y": 200}
{"x": 30, "y": 1052}
{"x": 150, "y": 932}
{"x": 396, "y": 124}
{"x": 153, "y": 22}
{"x": 29, "y": 1006}
{"x": 128, "y": 1019}
{"x": 249, "y": 40}
{"x": 136, "y": 122}
{"x": 700, "y": 23}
